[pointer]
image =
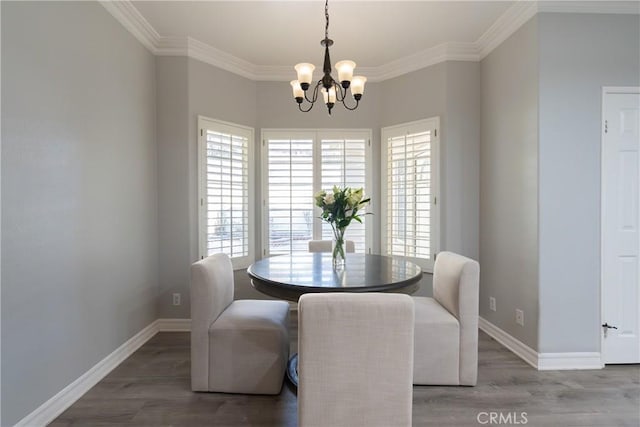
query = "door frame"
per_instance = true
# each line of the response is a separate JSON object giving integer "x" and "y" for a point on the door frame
{"x": 606, "y": 90}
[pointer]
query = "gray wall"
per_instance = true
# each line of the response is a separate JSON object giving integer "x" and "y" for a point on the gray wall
{"x": 79, "y": 218}
{"x": 460, "y": 159}
{"x": 172, "y": 118}
{"x": 509, "y": 184}
{"x": 578, "y": 55}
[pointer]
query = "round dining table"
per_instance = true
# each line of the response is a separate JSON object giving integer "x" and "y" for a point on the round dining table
{"x": 290, "y": 276}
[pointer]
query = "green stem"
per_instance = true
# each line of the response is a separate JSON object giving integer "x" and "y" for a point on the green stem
{"x": 338, "y": 234}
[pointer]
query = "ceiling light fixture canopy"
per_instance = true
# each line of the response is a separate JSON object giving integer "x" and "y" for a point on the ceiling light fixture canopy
{"x": 332, "y": 91}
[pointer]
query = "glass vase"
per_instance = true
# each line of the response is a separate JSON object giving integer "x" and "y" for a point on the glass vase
{"x": 337, "y": 252}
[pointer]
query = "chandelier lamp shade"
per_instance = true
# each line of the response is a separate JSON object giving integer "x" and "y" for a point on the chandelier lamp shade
{"x": 332, "y": 91}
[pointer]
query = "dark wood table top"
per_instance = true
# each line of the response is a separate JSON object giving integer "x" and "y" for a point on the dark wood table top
{"x": 289, "y": 276}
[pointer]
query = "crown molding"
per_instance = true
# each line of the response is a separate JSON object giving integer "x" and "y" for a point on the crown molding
{"x": 127, "y": 14}
{"x": 613, "y": 7}
{"x": 435, "y": 55}
{"x": 508, "y": 23}
{"x": 441, "y": 53}
{"x": 171, "y": 46}
{"x": 221, "y": 59}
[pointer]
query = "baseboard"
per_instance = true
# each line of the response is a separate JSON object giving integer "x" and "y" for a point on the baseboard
{"x": 53, "y": 407}
{"x": 542, "y": 361}
{"x": 174, "y": 325}
{"x": 563, "y": 361}
{"x": 516, "y": 346}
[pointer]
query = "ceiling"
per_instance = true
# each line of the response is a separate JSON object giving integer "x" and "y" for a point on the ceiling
{"x": 283, "y": 33}
{"x": 262, "y": 40}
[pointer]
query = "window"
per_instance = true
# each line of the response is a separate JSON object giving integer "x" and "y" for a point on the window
{"x": 225, "y": 153}
{"x": 344, "y": 158}
{"x": 296, "y": 165}
{"x": 409, "y": 191}
{"x": 290, "y": 187}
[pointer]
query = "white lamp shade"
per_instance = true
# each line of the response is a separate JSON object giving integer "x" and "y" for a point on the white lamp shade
{"x": 357, "y": 85}
{"x": 345, "y": 70}
{"x": 297, "y": 90}
{"x": 329, "y": 97}
{"x": 305, "y": 72}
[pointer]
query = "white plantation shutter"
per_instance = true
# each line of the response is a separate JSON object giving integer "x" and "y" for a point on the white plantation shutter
{"x": 225, "y": 154}
{"x": 290, "y": 190}
{"x": 296, "y": 165}
{"x": 343, "y": 163}
{"x": 410, "y": 214}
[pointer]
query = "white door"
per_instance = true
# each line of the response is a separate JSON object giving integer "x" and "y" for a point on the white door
{"x": 620, "y": 222}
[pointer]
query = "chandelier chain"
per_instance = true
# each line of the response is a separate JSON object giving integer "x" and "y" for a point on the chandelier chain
{"x": 326, "y": 15}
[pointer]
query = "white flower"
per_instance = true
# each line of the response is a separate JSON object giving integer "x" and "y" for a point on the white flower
{"x": 354, "y": 197}
{"x": 329, "y": 199}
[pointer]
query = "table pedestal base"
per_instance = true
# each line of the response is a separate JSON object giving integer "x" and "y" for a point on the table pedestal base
{"x": 292, "y": 370}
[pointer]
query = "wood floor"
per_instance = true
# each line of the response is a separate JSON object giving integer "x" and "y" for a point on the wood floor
{"x": 151, "y": 388}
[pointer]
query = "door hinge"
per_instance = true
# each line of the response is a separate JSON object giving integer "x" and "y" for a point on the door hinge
{"x": 263, "y": 143}
{"x": 369, "y": 143}
{"x": 435, "y": 132}
{"x": 435, "y": 200}
{"x": 201, "y": 132}
{"x": 606, "y": 126}
{"x": 201, "y": 202}
{"x": 264, "y": 252}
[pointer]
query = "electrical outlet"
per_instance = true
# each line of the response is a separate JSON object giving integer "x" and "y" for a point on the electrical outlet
{"x": 176, "y": 299}
{"x": 519, "y": 317}
{"x": 492, "y": 304}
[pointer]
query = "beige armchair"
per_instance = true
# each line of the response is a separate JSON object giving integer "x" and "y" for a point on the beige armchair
{"x": 326, "y": 246}
{"x": 446, "y": 328}
{"x": 355, "y": 360}
{"x": 236, "y": 346}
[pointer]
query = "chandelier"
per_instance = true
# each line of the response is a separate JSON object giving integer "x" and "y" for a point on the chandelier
{"x": 332, "y": 91}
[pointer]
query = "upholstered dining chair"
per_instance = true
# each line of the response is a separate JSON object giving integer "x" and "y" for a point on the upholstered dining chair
{"x": 236, "y": 346}
{"x": 355, "y": 359}
{"x": 326, "y": 246}
{"x": 446, "y": 328}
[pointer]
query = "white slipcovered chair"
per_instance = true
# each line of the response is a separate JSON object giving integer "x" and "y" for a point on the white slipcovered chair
{"x": 236, "y": 346}
{"x": 326, "y": 246}
{"x": 355, "y": 360}
{"x": 446, "y": 326}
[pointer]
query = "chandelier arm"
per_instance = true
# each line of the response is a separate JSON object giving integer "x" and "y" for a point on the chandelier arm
{"x": 341, "y": 92}
{"x": 314, "y": 97}
{"x": 349, "y": 108}
{"x": 308, "y": 109}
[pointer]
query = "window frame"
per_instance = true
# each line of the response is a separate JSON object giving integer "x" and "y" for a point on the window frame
{"x": 433, "y": 124}
{"x": 205, "y": 123}
{"x": 316, "y": 136}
